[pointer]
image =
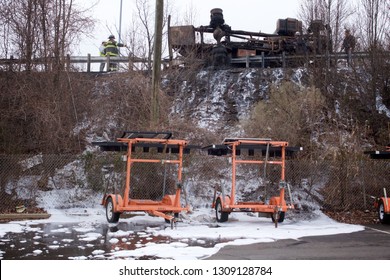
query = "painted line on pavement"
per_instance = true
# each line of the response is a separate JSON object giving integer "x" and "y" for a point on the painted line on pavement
{"x": 382, "y": 231}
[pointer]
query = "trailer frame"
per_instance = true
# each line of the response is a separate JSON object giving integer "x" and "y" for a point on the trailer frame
{"x": 382, "y": 204}
{"x": 169, "y": 207}
{"x": 224, "y": 204}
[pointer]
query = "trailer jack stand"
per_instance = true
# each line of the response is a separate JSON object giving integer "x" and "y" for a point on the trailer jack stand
{"x": 275, "y": 215}
{"x": 173, "y": 223}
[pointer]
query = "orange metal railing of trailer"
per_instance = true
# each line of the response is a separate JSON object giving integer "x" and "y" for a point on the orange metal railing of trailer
{"x": 277, "y": 205}
{"x": 382, "y": 204}
{"x": 170, "y": 205}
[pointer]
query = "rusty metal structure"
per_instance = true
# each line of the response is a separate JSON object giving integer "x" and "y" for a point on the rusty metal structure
{"x": 288, "y": 39}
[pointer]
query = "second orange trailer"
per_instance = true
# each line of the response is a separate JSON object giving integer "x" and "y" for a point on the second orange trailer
{"x": 269, "y": 153}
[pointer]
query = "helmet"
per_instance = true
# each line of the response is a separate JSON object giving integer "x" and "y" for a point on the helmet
{"x": 111, "y": 37}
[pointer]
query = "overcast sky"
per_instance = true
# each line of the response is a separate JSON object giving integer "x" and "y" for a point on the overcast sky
{"x": 248, "y": 15}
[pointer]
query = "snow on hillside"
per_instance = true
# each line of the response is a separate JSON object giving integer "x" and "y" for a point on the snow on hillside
{"x": 223, "y": 96}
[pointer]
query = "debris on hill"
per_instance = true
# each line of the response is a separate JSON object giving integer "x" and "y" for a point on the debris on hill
{"x": 354, "y": 217}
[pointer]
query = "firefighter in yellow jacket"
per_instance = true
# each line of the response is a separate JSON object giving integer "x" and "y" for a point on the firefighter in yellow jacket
{"x": 111, "y": 49}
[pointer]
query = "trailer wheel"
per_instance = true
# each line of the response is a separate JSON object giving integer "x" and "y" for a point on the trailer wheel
{"x": 280, "y": 218}
{"x": 112, "y": 217}
{"x": 219, "y": 214}
{"x": 383, "y": 217}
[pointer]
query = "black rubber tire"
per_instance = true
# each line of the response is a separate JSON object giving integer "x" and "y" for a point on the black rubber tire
{"x": 219, "y": 56}
{"x": 280, "y": 219}
{"x": 219, "y": 214}
{"x": 112, "y": 217}
{"x": 383, "y": 217}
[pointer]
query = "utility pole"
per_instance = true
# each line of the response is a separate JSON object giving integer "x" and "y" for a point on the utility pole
{"x": 156, "y": 74}
{"x": 120, "y": 23}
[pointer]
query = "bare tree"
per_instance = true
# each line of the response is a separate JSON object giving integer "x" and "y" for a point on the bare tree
{"x": 20, "y": 28}
{"x": 141, "y": 33}
{"x": 190, "y": 15}
{"x": 374, "y": 22}
{"x": 41, "y": 28}
{"x": 335, "y": 13}
{"x": 145, "y": 17}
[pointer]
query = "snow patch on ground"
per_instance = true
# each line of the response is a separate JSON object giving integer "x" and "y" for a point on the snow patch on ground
{"x": 188, "y": 240}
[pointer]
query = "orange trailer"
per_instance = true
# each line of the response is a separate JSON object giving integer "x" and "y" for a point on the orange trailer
{"x": 382, "y": 204}
{"x": 271, "y": 152}
{"x": 170, "y": 206}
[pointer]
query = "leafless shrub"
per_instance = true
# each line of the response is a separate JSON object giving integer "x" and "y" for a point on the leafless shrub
{"x": 40, "y": 110}
{"x": 291, "y": 114}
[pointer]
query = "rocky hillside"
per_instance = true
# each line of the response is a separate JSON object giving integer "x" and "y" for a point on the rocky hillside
{"x": 301, "y": 105}
{"x": 312, "y": 107}
{"x": 217, "y": 100}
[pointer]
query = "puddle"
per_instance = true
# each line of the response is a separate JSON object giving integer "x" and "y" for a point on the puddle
{"x": 84, "y": 241}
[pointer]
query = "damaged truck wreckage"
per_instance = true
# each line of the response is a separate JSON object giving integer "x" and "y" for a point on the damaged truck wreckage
{"x": 237, "y": 45}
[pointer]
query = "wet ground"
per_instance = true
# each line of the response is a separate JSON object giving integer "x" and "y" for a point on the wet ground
{"x": 85, "y": 234}
{"x": 373, "y": 243}
{"x": 56, "y": 241}
{"x": 81, "y": 241}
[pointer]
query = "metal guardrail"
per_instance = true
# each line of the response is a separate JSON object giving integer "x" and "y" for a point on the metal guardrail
{"x": 283, "y": 59}
{"x": 249, "y": 61}
{"x": 69, "y": 60}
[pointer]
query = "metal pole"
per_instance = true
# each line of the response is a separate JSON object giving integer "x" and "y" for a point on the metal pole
{"x": 157, "y": 63}
{"x": 120, "y": 27}
{"x": 265, "y": 171}
{"x": 169, "y": 40}
{"x": 234, "y": 166}
{"x": 120, "y": 23}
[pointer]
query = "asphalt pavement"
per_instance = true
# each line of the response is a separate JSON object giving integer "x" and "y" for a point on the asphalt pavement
{"x": 373, "y": 243}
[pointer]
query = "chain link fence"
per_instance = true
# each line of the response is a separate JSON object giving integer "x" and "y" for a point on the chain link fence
{"x": 43, "y": 182}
